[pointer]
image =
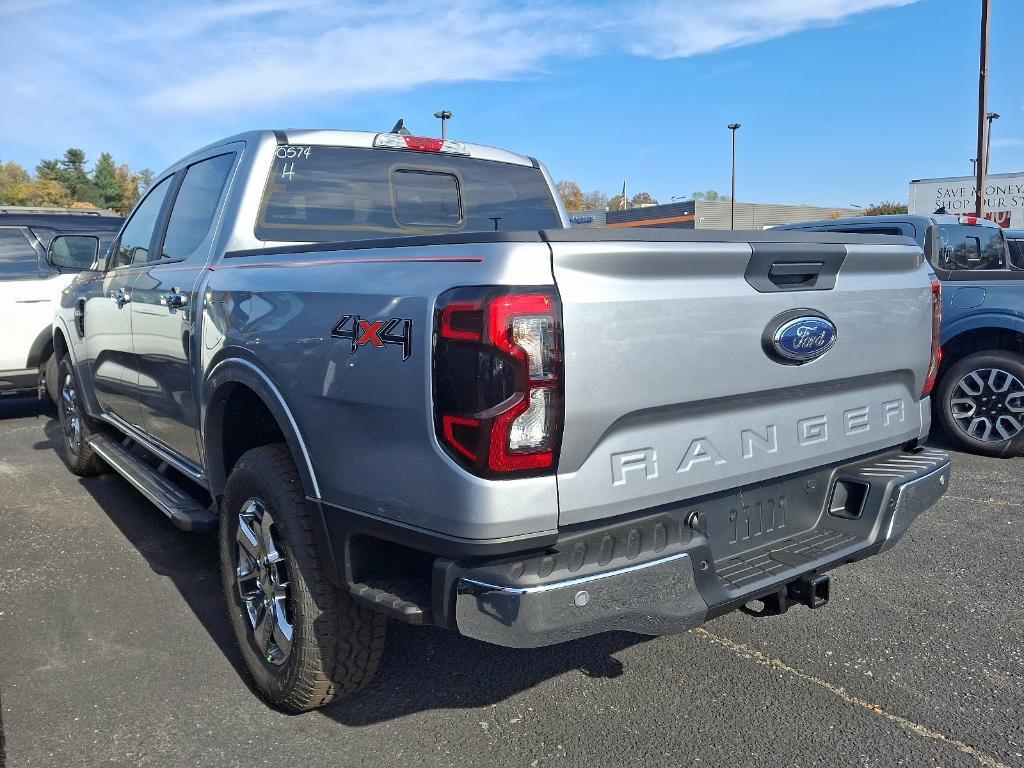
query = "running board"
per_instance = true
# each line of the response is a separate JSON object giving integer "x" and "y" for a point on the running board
{"x": 185, "y": 511}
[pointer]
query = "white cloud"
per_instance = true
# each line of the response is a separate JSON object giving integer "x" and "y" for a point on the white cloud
{"x": 1008, "y": 142}
{"x": 145, "y": 73}
{"x": 681, "y": 28}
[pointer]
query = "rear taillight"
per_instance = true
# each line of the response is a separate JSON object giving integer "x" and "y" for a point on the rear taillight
{"x": 498, "y": 379}
{"x": 936, "y": 352}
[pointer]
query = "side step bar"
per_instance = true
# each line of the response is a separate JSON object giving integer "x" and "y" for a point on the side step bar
{"x": 185, "y": 512}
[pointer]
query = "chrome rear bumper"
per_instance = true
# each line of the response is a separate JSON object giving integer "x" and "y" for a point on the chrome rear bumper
{"x": 663, "y": 577}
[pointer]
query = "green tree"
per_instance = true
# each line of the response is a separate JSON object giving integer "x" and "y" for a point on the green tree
{"x": 145, "y": 179}
{"x": 885, "y": 209}
{"x": 43, "y": 192}
{"x": 106, "y": 182}
{"x": 616, "y": 203}
{"x": 128, "y": 184}
{"x": 643, "y": 198}
{"x": 48, "y": 169}
{"x": 12, "y": 176}
{"x": 571, "y": 194}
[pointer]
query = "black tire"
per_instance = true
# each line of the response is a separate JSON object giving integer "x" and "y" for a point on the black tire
{"x": 336, "y": 643}
{"x": 74, "y": 440}
{"x": 51, "y": 375}
{"x": 988, "y": 408}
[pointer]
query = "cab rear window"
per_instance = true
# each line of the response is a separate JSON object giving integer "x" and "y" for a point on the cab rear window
{"x": 322, "y": 194}
{"x": 963, "y": 247}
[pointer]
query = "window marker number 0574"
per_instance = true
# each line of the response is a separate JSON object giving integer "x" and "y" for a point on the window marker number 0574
{"x": 289, "y": 152}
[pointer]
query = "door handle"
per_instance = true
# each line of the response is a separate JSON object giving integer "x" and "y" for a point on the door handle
{"x": 120, "y": 298}
{"x": 173, "y": 299}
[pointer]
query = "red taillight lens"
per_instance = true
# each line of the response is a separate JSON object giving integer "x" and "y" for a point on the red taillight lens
{"x": 498, "y": 379}
{"x": 936, "y": 351}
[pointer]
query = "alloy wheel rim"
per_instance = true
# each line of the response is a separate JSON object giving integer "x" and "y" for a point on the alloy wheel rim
{"x": 988, "y": 405}
{"x": 261, "y": 575}
{"x": 69, "y": 409}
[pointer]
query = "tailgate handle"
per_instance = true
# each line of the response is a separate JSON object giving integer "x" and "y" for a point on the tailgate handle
{"x": 794, "y": 274}
{"x": 794, "y": 266}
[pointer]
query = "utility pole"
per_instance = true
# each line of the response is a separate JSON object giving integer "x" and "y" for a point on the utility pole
{"x": 982, "y": 168}
{"x": 732, "y": 196}
{"x": 990, "y": 116}
{"x": 443, "y": 115}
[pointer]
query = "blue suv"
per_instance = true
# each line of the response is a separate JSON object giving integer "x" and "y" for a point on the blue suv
{"x": 979, "y": 397}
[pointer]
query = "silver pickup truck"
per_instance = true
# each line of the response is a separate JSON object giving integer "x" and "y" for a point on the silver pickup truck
{"x": 400, "y": 387}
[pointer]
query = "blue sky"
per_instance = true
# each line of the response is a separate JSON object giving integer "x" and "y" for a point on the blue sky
{"x": 840, "y": 101}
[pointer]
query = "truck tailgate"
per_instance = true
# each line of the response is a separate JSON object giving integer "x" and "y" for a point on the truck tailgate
{"x": 670, "y": 392}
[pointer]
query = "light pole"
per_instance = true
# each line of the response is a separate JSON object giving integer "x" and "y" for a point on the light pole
{"x": 990, "y": 116}
{"x": 443, "y": 115}
{"x": 732, "y": 197}
{"x": 974, "y": 166}
{"x": 982, "y": 170}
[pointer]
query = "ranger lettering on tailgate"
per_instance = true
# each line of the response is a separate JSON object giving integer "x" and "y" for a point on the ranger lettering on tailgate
{"x": 642, "y": 463}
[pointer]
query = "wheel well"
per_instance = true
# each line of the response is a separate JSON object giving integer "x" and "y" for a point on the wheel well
{"x": 41, "y": 349}
{"x": 980, "y": 339}
{"x": 246, "y": 423}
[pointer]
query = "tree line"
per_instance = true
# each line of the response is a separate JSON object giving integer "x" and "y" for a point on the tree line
{"x": 65, "y": 182}
{"x": 575, "y": 199}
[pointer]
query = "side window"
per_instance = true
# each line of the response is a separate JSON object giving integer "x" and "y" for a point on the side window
{"x": 18, "y": 259}
{"x": 195, "y": 206}
{"x": 133, "y": 247}
{"x": 1016, "y": 253}
{"x": 973, "y": 248}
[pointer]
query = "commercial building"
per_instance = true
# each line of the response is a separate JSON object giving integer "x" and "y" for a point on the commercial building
{"x": 706, "y": 214}
{"x": 1004, "y": 197}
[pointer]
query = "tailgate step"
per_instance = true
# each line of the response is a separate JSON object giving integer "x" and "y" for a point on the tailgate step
{"x": 184, "y": 510}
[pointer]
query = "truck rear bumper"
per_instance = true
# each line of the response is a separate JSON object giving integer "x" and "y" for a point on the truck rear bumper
{"x": 671, "y": 569}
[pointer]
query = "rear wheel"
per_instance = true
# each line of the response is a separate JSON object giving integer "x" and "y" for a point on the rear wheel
{"x": 76, "y": 426}
{"x": 981, "y": 402}
{"x": 305, "y": 642}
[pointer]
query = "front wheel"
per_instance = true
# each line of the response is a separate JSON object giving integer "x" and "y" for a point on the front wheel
{"x": 305, "y": 642}
{"x": 980, "y": 402}
{"x": 75, "y": 425}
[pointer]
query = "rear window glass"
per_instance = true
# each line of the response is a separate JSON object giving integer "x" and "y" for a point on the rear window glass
{"x": 427, "y": 198}
{"x": 874, "y": 230}
{"x": 344, "y": 193}
{"x": 974, "y": 248}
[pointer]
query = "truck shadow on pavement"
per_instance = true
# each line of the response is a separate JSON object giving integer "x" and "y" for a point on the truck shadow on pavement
{"x": 423, "y": 668}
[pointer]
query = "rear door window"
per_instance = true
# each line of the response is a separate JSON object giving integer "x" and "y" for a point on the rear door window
{"x": 18, "y": 259}
{"x": 962, "y": 247}
{"x": 195, "y": 206}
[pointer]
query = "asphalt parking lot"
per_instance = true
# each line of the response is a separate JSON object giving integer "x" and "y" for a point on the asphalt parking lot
{"x": 114, "y": 650}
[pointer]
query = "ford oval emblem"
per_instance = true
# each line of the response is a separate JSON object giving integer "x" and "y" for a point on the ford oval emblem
{"x": 804, "y": 338}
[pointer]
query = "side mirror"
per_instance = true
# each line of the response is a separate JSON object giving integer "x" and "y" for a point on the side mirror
{"x": 73, "y": 253}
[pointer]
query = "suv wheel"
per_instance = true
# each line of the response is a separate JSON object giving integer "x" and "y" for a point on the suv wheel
{"x": 980, "y": 402}
{"x": 305, "y": 642}
{"x": 75, "y": 425}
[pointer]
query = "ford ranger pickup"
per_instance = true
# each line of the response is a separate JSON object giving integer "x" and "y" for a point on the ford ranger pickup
{"x": 397, "y": 384}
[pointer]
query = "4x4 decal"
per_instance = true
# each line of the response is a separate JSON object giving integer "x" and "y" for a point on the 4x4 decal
{"x": 376, "y": 333}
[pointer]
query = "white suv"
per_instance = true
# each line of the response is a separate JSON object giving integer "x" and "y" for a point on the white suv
{"x": 30, "y": 283}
